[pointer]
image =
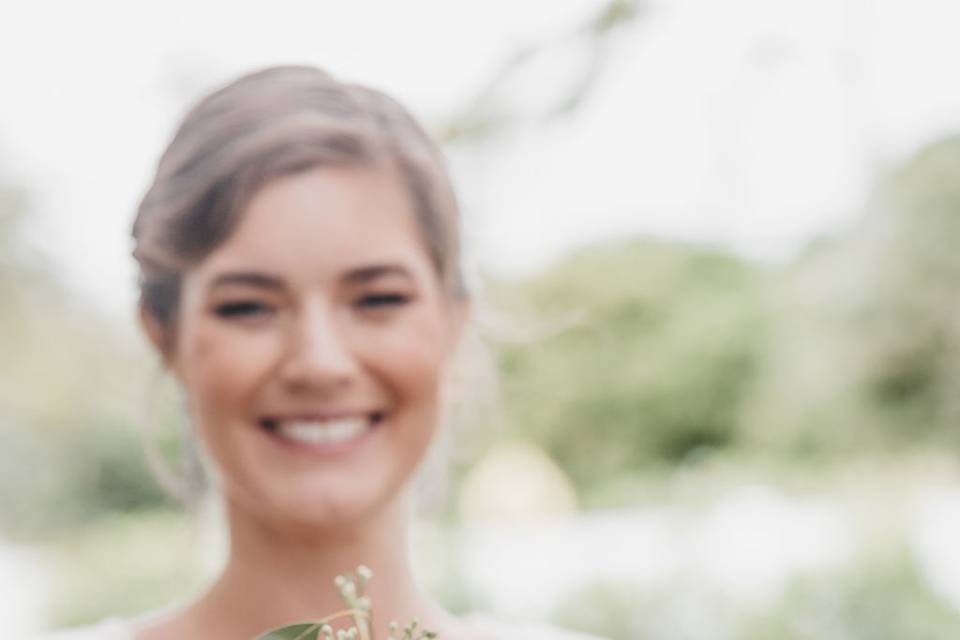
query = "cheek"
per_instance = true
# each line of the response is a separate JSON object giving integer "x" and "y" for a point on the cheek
{"x": 222, "y": 368}
{"x": 414, "y": 356}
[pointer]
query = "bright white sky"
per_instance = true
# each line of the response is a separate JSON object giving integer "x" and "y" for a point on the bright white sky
{"x": 756, "y": 124}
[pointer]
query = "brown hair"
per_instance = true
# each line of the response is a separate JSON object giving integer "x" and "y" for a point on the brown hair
{"x": 265, "y": 125}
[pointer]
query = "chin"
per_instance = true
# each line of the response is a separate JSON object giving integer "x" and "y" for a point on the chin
{"x": 354, "y": 503}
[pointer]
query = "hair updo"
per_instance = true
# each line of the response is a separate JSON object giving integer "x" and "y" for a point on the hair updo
{"x": 269, "y": 124}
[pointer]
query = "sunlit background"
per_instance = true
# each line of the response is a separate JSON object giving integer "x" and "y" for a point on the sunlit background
{"x": 717, "y": 251}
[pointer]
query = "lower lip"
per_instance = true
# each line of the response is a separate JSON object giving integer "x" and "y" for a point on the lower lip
{"x": 324, "y": 449}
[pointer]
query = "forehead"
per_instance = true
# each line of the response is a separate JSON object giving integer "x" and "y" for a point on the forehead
{"x": 323, "y": 221}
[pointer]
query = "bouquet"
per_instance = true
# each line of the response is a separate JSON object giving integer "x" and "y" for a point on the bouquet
{"x": 358, "y": 607}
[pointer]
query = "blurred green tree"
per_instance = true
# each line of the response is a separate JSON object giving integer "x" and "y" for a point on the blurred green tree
{"x": 910, "y": 318}
{"x": 864, "y": 348}
{"x": 68, "y": 450}
{"x": 641, "y": 353}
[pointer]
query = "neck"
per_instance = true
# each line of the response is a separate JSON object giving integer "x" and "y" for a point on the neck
{"x": 278, "y": 576}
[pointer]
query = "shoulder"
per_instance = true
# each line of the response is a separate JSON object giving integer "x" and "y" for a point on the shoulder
{"x": 107, "y": 630}
{"x": 503, "y": 630}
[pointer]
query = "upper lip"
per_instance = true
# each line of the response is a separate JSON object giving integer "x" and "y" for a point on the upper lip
{"x": 320, "y": 416}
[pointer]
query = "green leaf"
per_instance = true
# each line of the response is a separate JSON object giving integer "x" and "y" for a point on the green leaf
{"x": 301, "y": 631}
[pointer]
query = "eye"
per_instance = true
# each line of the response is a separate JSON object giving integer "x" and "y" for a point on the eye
{"x": 382, "y": 300}
{"x": 242, "y": 309}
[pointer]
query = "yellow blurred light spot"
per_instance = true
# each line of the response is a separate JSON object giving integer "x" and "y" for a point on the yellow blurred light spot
{"x": 516, "y": 481}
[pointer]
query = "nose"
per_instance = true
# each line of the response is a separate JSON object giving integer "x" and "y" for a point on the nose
{"x": 317, "y": 355}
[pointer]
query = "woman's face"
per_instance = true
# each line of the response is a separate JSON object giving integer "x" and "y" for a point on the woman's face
{"x": 311, "y": 345}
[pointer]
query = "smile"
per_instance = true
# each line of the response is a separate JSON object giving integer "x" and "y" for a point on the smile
{"x": 319, "y": 432}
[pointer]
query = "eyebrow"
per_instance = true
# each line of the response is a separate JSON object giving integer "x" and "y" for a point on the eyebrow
{"x": 249, "y": 278}
{"x": 360, "y": 275}
{"x": 365, "y": 274}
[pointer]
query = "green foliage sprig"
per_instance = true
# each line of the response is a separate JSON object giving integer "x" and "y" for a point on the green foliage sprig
{"x": 359, "y": 607}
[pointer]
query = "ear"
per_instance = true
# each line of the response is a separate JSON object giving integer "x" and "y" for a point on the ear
{"x": 157, "y": 334}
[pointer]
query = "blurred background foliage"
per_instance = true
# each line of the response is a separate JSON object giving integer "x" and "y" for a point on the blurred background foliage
{"x": 67, "y": 401}
{"x": 638, "y": 367}
{"x": 623, "y": 368}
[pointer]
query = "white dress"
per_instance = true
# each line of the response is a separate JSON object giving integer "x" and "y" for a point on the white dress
{"x": 115, "y": 629}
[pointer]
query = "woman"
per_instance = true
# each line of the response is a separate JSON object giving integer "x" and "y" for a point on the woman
{"x": 298, "y": 252}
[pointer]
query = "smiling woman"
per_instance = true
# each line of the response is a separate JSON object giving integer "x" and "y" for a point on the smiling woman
{"x": 299, "y": 255}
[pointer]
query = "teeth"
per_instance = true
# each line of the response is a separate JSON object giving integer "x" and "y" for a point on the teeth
{"x": 323, "y": 432}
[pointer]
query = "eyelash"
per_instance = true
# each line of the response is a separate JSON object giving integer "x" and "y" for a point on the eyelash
{"x": 378, "y": 301}
{"x": 249, "y": 308}
{"x": 241, "y": 309}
